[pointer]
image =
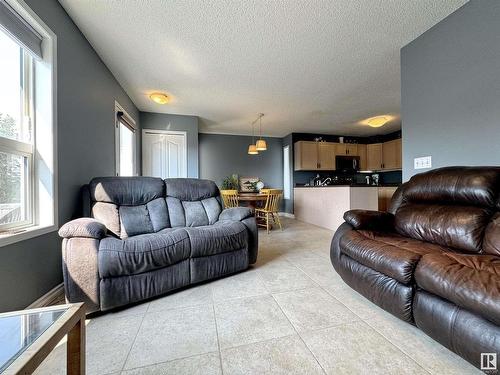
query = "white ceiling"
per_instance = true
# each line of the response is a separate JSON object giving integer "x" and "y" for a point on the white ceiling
{"x": 310, "y": 65}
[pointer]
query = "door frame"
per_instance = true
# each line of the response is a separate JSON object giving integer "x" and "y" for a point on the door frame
{"x": 165, "y": 132}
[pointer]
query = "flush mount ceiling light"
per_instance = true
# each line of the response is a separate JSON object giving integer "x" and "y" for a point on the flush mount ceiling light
{"x": 159, "y": 98}
{"x": 377, "y": 121}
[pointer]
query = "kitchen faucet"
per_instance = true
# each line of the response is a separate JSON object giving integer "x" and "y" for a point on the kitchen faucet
{"x": 325, "y": 181}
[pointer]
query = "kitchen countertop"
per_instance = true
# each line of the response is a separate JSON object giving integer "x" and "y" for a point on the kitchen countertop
{"x": 350, "y": 185}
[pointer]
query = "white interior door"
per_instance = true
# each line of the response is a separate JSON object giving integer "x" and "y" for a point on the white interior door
{"x": 164, "y": 154}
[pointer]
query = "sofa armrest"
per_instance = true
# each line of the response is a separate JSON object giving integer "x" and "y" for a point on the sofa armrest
{"x": 235, "y": 214}
{"x": 83, "y": 228}
{"x": 373, "y": 220}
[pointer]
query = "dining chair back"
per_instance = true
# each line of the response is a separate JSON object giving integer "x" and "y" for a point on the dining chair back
{"x": 271, "y": 208}
{"x": 230, "y": 198}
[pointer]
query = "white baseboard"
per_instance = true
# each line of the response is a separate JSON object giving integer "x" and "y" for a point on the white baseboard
{"x": 47, "y": 298}
{"x": 286, "y": 214}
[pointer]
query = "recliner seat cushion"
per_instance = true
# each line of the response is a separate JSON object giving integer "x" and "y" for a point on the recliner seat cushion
{"x": 470, "y": 281}
{"x": 388, "y": 253}
{"x": 142, "y": 253}
{"x": 222, "y": 237}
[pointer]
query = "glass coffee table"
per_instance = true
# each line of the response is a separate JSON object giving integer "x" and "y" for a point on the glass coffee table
{"x": 28, "y": 336}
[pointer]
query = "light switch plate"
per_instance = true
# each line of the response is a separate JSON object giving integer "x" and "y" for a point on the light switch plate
{"x": 424, "y": 162}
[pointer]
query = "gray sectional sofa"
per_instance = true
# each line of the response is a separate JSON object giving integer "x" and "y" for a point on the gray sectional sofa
{"x": 145, "y": 237}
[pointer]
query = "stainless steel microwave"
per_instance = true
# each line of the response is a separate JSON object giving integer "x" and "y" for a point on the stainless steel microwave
{"x": 347, "y": 163}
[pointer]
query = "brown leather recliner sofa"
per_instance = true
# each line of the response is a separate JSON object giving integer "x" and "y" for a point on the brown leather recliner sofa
{"x": 433, "y": 260}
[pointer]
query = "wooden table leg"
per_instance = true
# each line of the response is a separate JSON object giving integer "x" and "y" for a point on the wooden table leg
{"x": 76, "y": 349}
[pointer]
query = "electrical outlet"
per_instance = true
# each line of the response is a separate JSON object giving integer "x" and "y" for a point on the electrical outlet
{"x": 424, "y": 162}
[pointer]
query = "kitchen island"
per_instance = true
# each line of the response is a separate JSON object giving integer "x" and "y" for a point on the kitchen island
{"x": 325, "y": 206}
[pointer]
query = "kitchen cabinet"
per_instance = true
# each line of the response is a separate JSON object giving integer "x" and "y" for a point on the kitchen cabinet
{"x": 362, "y": 157}
{"x": 391, "y": 154}
{"x": 374, "y": 156}
{"x": 326, "y": 156}
{"x": 306, "y": 156}
{"x": 384, "y": 156}
{"x": 314, "y": 156}
{"x": 346, "y": 149}
{"x": 385, "y": 194}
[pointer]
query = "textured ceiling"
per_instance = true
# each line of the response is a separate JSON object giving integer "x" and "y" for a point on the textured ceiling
{"x": 309, "y": 65}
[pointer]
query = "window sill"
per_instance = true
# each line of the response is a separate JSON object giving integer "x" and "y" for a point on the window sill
{"x": 26, "y": 234}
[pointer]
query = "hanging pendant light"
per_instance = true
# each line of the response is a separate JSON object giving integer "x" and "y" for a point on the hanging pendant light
{"x": 261, "y": 144}
{"x": 252, "y": 149}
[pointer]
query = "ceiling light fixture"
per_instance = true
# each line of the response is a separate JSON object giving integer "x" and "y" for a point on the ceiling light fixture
{"x": 252, "y": 149}
{"x": 159, "y": 98}
{"x": 261, "y": 144}
{"x": 377, "y": 121}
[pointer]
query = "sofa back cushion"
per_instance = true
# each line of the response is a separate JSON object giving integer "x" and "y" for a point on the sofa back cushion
{"x": 491, "y": 242}
{"x": 449, "y": 206}
{"x": 192, "y": 202}
{"x": 129, "y": 206}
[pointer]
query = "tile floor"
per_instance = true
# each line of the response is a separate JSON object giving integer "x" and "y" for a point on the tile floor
{"x": 289, "y": 314}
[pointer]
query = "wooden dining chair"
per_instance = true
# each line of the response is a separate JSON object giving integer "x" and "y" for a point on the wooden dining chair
{"x": 230, "y": 198}
{"x": 270, "y": 210}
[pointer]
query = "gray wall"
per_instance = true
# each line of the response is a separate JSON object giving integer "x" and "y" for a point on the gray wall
{"x": 451, "y": 90}
{"x": 189, "y": 124}
{"x": 86, "y": 92}
{"x": 223, "y": 155}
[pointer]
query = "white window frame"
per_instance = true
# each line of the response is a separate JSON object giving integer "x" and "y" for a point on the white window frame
{"x": 119, "y": 108}
{"x": 287, "y": 181}
{"x": 41, "y": 153}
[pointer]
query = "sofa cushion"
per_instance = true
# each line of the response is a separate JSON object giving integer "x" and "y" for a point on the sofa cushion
{"x": 129, "y": 191}
{"x": 388, "y": 253}
{"x": 219, "y": 238}
{"x": 129, "y": 206}
{"x": 470, "y": 281}
{"x": 449, "y": 206}
{"x": 191, "y": 189}
{"x": 142, "y": 253}
{"x": 193, "y": 213}
{"x": 491, "y": 241}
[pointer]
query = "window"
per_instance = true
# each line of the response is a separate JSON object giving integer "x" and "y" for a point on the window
{"x": 27, "y": 125}
{"x": 125, "y": 143}
{"x": 16, "y": 147}
{"x": 286, "y": 172}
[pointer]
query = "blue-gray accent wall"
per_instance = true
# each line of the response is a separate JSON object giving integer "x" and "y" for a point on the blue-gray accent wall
{"x": 450, "y": 91}
{"x": 86, "y": 94}
{"x": 188, "y": 124}
{"x": 223, "y": 155}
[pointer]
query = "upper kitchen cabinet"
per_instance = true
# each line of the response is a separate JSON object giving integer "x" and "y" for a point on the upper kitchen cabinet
{"x": 326, "y": 156}
{"x": 306, "y": 156}
{"x": 374, "y": 156}
{"x": 391, "y": 154}
{"x": 384, "y": 156}
{"x": 362, "y": 157}
{"x": 313, "y": 156}
{"x": 346, "y": 149}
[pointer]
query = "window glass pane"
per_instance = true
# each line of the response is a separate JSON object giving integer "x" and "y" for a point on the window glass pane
{"x": 286, "y": 172}
{"x": 126, "y": 151}
{"x": 11, "y": 91}
{"x": 13, "y": 188}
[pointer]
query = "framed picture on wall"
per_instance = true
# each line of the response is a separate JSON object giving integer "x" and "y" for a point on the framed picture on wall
{"x": 249, "y": 184}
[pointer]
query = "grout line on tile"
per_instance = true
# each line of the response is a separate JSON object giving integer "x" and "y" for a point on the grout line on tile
{"x": 163, "y": 362}
{"x": 133, "y": 342}
{"x": 298, "y": 334}
{"x": 217, "y": 334}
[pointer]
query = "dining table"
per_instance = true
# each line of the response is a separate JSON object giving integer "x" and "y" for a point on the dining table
{"x": 252, "y": 200}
